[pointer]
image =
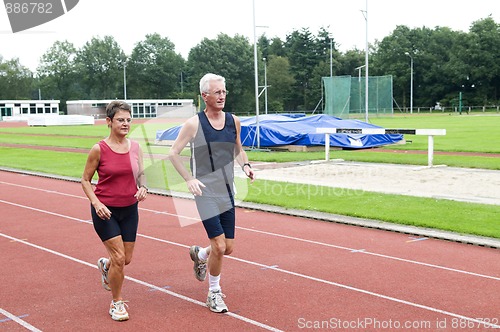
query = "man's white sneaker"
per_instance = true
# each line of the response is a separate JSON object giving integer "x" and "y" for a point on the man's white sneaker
{"x": 215, "y": 301}
{"x": 200, "y": 266}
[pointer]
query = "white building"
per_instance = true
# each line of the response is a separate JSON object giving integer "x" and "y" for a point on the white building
{"x": 141, "y": 108}
{"x": 23, "y": 109}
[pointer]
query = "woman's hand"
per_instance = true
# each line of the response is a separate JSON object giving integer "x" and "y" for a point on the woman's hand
{"x": 141, "y": 193}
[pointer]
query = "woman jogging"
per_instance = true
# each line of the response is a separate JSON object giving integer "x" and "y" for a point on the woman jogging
{"x": 118, "y": 162}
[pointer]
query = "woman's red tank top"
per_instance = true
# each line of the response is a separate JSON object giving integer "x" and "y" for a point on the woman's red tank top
{"x": 117, "y": 173}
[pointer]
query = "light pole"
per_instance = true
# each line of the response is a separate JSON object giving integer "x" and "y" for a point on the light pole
{"x": 125, "y": 79}
{"x": 460, "y": 95}
{"x": 365, "y": 14}
{"x": 265, "y": 84}
{"x": 359, "y": 83}
{"x": 411, "y": 82}
{"x": 256, "y": 78}
{"x": 331, "y": 56}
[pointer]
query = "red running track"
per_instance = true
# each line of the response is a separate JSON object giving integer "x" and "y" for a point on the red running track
{"x": 286, "y": 273}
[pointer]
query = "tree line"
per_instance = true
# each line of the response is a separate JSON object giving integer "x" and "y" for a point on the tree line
{"x": 446, "y": 63}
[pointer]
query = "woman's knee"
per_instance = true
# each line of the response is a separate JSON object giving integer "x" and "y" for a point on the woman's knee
{"x": 118, "y": 260}
{"x": 129, "y": 251}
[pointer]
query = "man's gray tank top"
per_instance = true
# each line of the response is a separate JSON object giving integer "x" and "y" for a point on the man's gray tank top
{"x": 212, "y": 156}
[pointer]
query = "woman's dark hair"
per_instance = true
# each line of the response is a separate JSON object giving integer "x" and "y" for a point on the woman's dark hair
{"x": 117, "y": 105}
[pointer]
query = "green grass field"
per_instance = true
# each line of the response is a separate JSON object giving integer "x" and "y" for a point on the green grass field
{"x": 464, "y": 134}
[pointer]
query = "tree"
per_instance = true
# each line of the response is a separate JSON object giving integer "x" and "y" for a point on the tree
{"x": 15, "y": 80}
{"x": 484, "y": 52}
{"x": 431, "y": 58}
{"x": 327, "y": 57}
{"x": 388, "y": 58}
{"x": 281, "y": 83}
{"x": 276, "y": 47}
{"x": 347, "y": 63}
{"x": 100, "y": 64}
{"x": 300, "y": 52}
{"x": 263, "y": 44}
{"x": 231, "y": 57}
{"x": 305, "y": 53}
{"x": 154, "y": 69}
{"x": 57, "y": 73}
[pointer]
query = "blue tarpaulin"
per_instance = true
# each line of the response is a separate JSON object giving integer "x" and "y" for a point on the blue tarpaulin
{"x": 278, "y": 130}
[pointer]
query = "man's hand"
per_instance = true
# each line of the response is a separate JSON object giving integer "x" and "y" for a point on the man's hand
{"x": 249, "y": 172}
{"x": 194, "y": 186}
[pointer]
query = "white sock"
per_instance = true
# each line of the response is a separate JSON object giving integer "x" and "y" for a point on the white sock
{"x": 213, "y": 282}
{"x": 202, "y": 254}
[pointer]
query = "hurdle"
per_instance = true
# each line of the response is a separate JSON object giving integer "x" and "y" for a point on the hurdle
{"x": 430, "y": 133}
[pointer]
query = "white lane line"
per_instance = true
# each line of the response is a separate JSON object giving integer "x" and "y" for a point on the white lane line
{"x": 390, "y": 298}
{"x": 362, "y": 251}
{"x": 286, "y": 272}
{"x": 40, "y": 189}
{"x": 144, "y": 283}
{"x": 287, "y": 237}
{"x": 85, "y": 198}
{"x": 19, "y": 321}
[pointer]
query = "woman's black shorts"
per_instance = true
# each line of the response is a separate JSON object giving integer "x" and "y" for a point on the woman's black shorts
{"x": 124, "y": 221}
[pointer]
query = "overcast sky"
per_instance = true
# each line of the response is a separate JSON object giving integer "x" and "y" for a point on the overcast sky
{"x": 187, "y": 22}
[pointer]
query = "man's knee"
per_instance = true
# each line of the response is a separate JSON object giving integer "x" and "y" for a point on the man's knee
{"x": 128, "y": 260}
{"x": 219, "y": 247}
{"x": 229, "y": 249}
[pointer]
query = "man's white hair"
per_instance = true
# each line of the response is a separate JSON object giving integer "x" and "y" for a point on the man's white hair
{"x": 205, "y": 81}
